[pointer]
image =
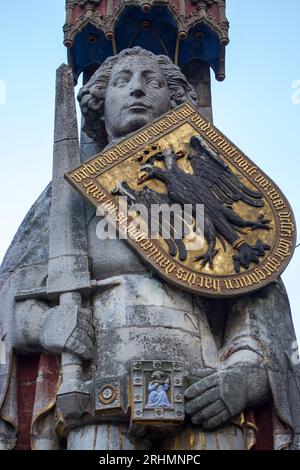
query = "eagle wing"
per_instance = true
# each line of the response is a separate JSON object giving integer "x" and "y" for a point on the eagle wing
{"x": 216, "y": 176}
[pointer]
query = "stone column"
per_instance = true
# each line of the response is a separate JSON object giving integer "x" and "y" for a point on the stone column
{"x": 198, "y": 74}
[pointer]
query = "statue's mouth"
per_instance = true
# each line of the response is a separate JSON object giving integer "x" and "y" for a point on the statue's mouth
{"x": 139, "y": 107}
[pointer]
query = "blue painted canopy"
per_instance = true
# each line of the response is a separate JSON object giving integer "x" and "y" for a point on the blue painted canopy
{"x": 156, "y": 31}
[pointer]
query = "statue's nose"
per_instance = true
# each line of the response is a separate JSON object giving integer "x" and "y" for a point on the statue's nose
{"x": 138, "y": 92}
{"x": 137, "y": 88}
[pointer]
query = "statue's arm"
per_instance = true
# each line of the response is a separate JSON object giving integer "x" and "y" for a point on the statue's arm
{"x": 242, "y": 350}
{"x": 254, "y": 375}
{"x": 39, "y": 327}
{"x": 29, "y": 317}
{"x": 241, "y": 381}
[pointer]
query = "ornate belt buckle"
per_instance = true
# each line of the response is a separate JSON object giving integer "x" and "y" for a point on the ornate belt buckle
{"x": 111, "y": 397}
{"x": 156, "y": 394}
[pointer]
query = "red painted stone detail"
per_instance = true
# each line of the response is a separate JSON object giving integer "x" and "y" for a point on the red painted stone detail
{"x": 214, "y": 11}
{"x": 47, "y": 384}
{"x": 27, "y": 371}
{"x": 263, "y": 421}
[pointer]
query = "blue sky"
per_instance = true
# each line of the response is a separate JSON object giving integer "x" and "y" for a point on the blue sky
{"x": 253, "y": 106}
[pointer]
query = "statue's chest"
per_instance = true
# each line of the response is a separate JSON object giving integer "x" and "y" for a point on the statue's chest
{"x": 143, "y": 318}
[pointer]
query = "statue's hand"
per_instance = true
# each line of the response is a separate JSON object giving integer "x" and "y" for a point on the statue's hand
{"x": 217, "y": 397}
{"x": 68, "y": 328}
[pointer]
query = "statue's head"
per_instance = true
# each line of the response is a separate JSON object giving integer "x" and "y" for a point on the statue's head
{"x": 128, "y": 91}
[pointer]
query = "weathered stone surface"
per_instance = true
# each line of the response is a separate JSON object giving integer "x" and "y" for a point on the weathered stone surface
{"x": 103, "y": 437}
{"x": 30, "y": 245}
{"x": 142, "y": 317}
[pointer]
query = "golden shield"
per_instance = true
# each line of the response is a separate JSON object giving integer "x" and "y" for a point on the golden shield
{"x": 248, "y": 232}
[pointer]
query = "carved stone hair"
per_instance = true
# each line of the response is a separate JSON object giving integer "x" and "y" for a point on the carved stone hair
{"x": 91, "y": 96}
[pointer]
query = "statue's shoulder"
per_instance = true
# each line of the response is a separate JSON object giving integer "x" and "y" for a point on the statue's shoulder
{"x": 30, "y": 244}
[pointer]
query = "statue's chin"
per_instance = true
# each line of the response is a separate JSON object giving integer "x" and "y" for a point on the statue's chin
{"x": 135, "y": 123}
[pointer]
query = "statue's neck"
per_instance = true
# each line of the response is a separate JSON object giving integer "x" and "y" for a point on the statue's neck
{"x": 116, "y": 140}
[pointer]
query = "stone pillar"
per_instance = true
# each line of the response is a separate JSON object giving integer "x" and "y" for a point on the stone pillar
{"x": 198, "y": 74}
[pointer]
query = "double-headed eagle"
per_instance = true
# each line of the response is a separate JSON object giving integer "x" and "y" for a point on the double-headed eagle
{"x": 212, "y": 184}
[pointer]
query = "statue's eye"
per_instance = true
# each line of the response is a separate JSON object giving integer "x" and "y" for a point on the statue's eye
{"x": 154, "y": 82}
{"x": 119, "y": 81}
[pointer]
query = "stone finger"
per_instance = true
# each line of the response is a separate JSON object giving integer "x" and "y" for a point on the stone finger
{"x": 80, "y": 344}
{"x": 208, "y": 412}
{"x": 87, "y": 353}
{"x": 82, "y": 351}
{"x": 201, "y": 373}
{"x": 208, "y": 397}
{"x": 87, "y": 328}
{"x": 216, "y": 421}
{"x": 85, "y": 314}
{"x": 83, "y": 338}
{"x": 201, "y": 386}
{"x": 75, "y": 347}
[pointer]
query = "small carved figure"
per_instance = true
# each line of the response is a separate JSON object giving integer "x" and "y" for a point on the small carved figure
{"x": 158, "y": 388}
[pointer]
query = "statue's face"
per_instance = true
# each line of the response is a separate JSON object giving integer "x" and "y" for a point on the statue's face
{"x": 136, "y": 94}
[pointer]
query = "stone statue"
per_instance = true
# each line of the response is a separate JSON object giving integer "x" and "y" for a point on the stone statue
{"x": 237, "y": 354}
